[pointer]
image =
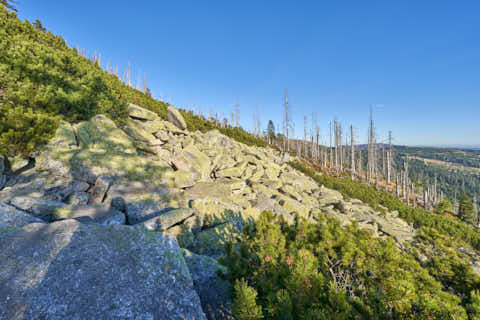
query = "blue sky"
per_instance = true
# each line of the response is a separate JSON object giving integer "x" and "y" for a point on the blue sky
{"x": 416, "y": 62}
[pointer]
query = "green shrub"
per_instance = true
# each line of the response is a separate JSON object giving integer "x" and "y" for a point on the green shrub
{"x": 44, "y": 78}
{"x": 324, "y": 271}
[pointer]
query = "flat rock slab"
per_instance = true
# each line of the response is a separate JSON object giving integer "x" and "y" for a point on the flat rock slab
{"x": 43, "y": 209}
{"x": 97, "y": 213}
{"x": 12, "y": 217}
{"x": 70, "y": 270}
{"x": 141, "y": 113}
{"x": 168, "y": 219}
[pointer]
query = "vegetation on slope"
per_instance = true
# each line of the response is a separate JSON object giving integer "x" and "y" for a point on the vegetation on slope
{"x": 43, "y": 80}
{"x": 324, "y": 271}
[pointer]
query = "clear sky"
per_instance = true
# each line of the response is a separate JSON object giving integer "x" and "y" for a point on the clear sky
{"x": 417, "y": 62}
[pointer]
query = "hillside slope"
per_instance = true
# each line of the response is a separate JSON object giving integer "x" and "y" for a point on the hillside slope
{"x": 43, "y": 81}
{"x": 141, "y": 204}
{"x": 201, "y": 188}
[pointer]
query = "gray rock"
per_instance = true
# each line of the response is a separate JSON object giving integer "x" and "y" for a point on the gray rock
{"x": 80, "y": 186}
{"x": 12, "y": 217}
{"x": 43, "y": 209}
{"x": 100, "y": 189}
{"x": 70, "y": 270}
{"x": 143, "y": 200}
{"x": 141, "y": 113}
{"x": 3, "y": 181}
{"x": 168, "y": 219}
{"x": 78, "y": 198}
{"x": 37, "y": 184}
{"x": 204, "y": 190}
{"x": 119, "y": 204}
{"x": 174, "y": 116}
{"x": 96, "y": 213}
{"x": 285, "y": 158}
{"x": 213, "y": 292}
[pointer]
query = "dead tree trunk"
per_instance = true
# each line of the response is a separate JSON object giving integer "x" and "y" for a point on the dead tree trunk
{"x": 425, "y": 198}
{"x": 397, "y": 187}
{"x": 331, "y": 151}
{"x": 389, "y": 157}
{"x": 352, "y": 152}
{"x": 287, "y": 119}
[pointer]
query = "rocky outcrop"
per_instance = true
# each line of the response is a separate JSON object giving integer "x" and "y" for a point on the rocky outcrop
{"x": 99, "y": 213}
{"x": 140, "y": 113}
{"x": 214, "y": 292}
{"x": 151, "y": 177}
{"x": 14, "y": 218}
{"x": 71, "y": 270}
{"x": 174, "y": 116}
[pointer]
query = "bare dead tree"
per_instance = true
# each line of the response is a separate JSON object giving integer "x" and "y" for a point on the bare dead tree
{"x": 335, "y": 133}
{"x": 397, "y": 186}
{"x": 259, "y": 123}
{"x": 312, "y": 146}
{"x": 138, "y": 87}
{"x": 287, "y": 118}
{"x": 330, "y": 149}
{"x": 144, "y": 82}
{"x": 360, "y": 173}
{"x": 129, "y": 74}
{"x": 237, "y": 114}
{"x": 340, "y": 144}
{"x": 371, "y": 148}
{"x": 352, "y": 152}
{"x": 425, "y": 198}
{"x": 389, "y": 158}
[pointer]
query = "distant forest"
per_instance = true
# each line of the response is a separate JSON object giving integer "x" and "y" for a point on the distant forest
{"x": 450, "y": 181}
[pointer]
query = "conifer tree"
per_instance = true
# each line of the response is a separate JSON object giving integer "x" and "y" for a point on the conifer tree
{"x": 474, "y": 307}
{"x": 271, "y": 131}
{"x": 245, "y": 306}
{"x": 22, "y": 131}
{"x": 443, "y": 207}
{"x": 465, "y": 210}
{"x": 9, "y": 4}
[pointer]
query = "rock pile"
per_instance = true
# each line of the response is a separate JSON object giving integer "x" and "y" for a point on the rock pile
{"x": 121, "y": 196}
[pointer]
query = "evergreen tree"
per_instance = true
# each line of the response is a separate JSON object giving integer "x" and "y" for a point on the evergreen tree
{"x": 23, "y": 130}
{"x": 9, "y": 4}
{"x": 271, "y": 130}
{"x": 38, "y": 26}
{"x": 474, "y": 307}
{"x": 444, "y": 207}
{"x": 465, "y": 210}
{"x": 245, "y": 306}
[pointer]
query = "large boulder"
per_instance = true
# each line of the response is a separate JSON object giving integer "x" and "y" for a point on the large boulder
{"x": 214, "y": 292}
{"x": 40, "y": 208}
{"x": 140, "y": 113}
{"x": 203, "y": 190}
{"x": 142, "y": 138}
{"x": 143, "y": 199}
{"x": 12, "y": 217}
{"x": 196, "y": 160}
{"x": 174, "y": 116}
{"x": 70, "y": 270}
